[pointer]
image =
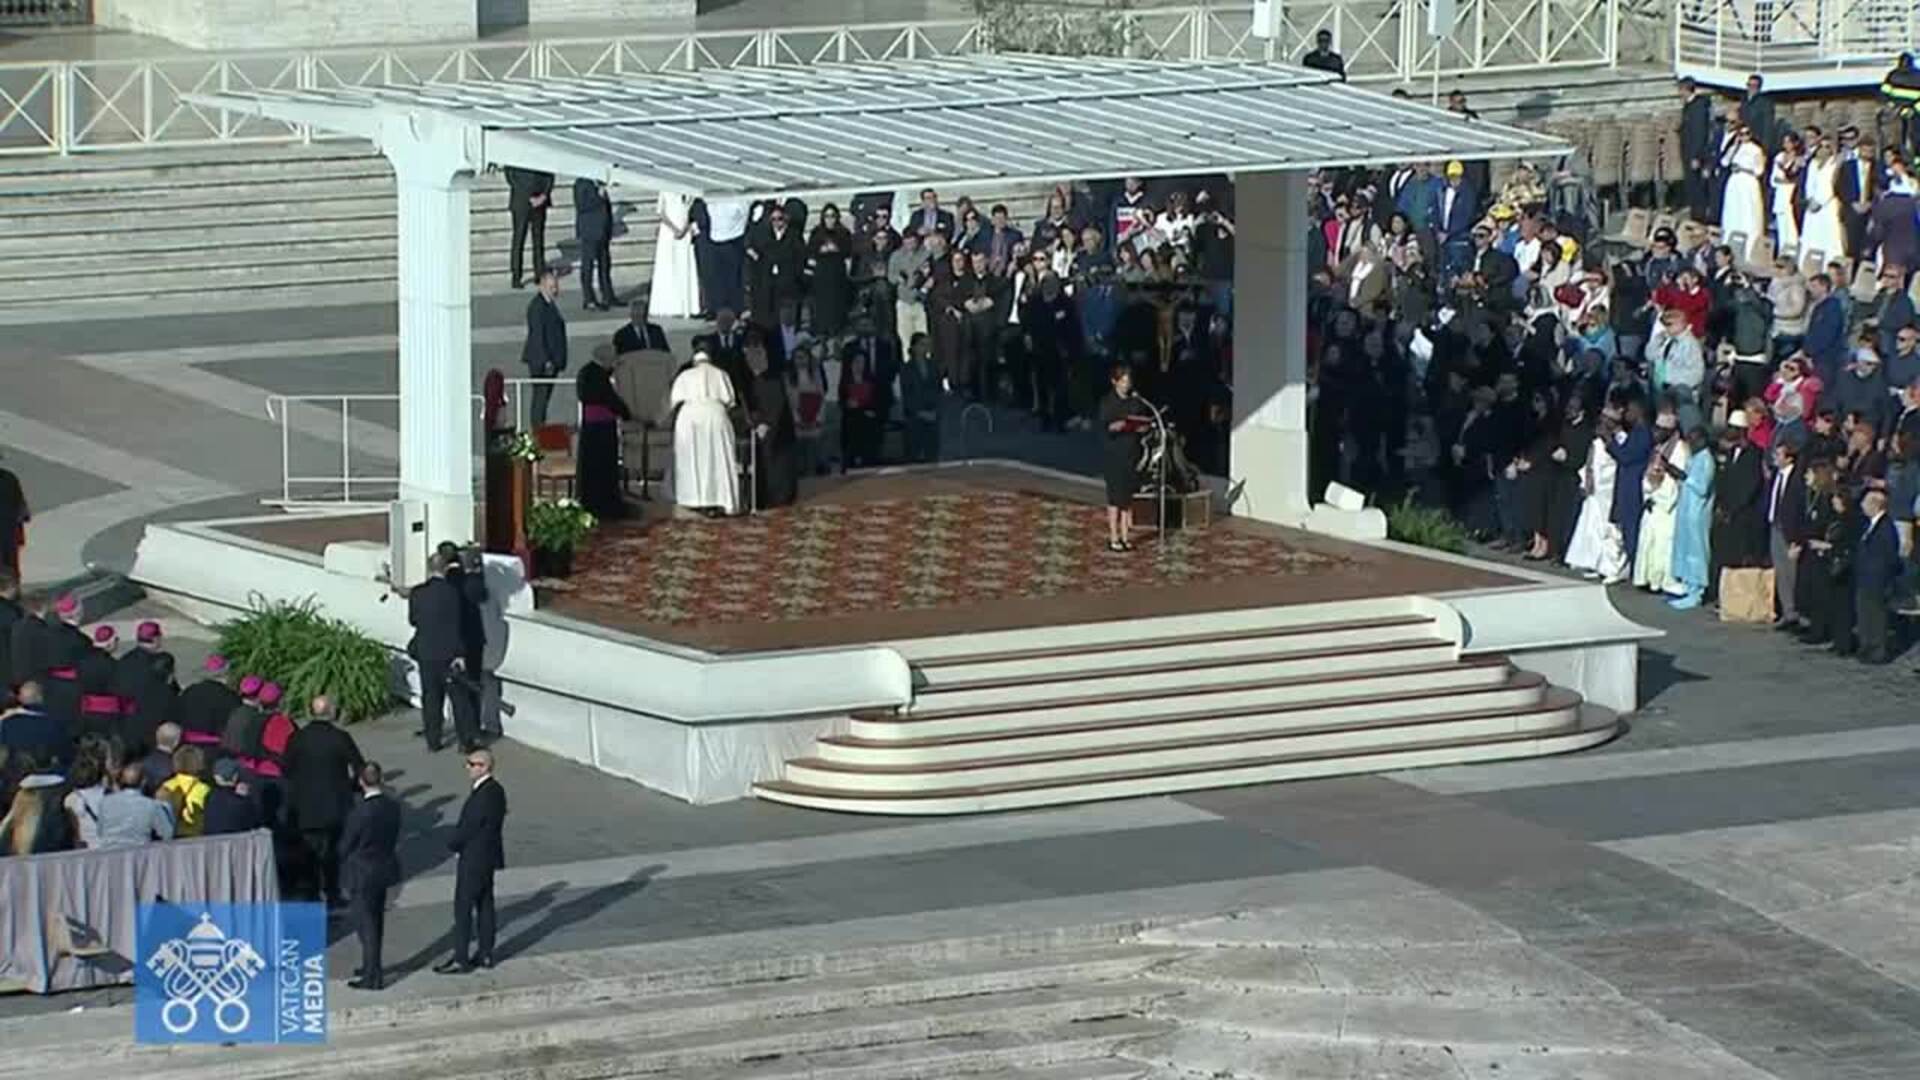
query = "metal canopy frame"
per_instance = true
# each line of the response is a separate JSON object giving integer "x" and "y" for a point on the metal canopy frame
{"x": 833, "y": 129}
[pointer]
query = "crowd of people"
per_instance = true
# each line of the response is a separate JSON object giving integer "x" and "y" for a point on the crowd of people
{"x": 102, "y": 748}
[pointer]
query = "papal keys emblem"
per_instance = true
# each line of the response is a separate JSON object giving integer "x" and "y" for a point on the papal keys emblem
{"x": 206, "y": 967}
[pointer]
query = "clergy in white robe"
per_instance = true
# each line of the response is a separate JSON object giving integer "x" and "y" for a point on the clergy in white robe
{"x": 706, "y": 473}
{"x": 1653, "y": 568}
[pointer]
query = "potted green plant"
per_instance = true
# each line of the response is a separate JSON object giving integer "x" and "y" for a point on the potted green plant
{"x": 554, "y": 529}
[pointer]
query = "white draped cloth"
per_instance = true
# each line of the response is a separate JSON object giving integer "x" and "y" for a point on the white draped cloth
{"x": 676, "y": 279}
{"x": 1596, "y": 546}
{"x": 1821, "y": 229}
{"x": 705, "y": 471}
{"x": 1743, "y": 212}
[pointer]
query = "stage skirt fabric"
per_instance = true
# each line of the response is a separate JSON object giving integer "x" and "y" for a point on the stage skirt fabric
{"x": 705, "y": 469}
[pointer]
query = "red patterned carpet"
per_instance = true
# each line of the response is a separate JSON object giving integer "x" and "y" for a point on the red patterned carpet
{"x": 824, "y": 559}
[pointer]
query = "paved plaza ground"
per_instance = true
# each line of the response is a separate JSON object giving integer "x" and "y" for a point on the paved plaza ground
{"x": 1742, "y": 862}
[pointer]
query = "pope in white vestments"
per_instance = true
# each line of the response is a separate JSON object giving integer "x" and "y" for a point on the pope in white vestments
{"x": 706, "y": 473}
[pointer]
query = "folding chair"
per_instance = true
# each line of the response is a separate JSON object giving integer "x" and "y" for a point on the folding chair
{"x": 1636, "y": 230}
{"x": 1866, "y": 283}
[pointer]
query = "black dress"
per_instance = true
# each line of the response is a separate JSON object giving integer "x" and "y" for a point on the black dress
{"x": 1122, "y": 450}
{"x": 830, "y": 286}
{"x": 599, "y": 463}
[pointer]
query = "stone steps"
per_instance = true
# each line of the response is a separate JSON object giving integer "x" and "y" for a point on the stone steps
{"x": 622, "y": 1007}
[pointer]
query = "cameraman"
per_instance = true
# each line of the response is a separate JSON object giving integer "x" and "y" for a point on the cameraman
{"x": 448, "y": 638}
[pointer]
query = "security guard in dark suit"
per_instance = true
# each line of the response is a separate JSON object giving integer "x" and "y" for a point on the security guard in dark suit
{"x": 593, "y": 228}
{"x": 477, "y": 840}
{"x": 530, "y": 193}
{"x": 545, "y": 351}
{"x": 370, "y": 866}
{"x": 435, "y": 610}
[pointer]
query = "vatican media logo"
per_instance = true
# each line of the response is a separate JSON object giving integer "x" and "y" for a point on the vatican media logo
{"x": 231, "y": 973}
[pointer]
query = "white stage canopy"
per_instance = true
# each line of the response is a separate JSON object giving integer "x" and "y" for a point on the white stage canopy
{"x": 958, "y": 121}
{"x": 834, "y": 129}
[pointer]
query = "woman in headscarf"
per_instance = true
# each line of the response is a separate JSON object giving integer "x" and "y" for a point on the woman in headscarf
{"x": 601, "y": 411}
{"x": 706, "y": 471}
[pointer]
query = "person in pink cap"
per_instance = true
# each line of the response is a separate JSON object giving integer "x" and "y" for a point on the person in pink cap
{"x": 242, "y": 727}
{"x": 144, "y": 681}
{"x": 99, "y": 705}
{"x": 203, "y": 708}
{"x": 66, "y": 646}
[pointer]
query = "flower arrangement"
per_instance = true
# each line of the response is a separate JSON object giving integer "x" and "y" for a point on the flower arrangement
{"x": 558, "y": 525}
{"x": 520, "y": 446}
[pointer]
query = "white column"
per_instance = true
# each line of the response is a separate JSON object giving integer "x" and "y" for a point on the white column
{"x": 1269, "y": 447}
{"x": 436, "y": 337}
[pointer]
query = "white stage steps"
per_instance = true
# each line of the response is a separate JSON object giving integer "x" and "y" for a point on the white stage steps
{"x": 1119, "y": 717}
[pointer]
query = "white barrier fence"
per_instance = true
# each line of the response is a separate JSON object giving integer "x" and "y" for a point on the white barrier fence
{"x": 1806, "y": 44}
{"x": 90, "y": 106}
{"x": 363, "y": 469}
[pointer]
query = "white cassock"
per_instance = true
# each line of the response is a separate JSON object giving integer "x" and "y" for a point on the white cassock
{"x": 1820, "y": 227}
{"x": 705, "y": 470}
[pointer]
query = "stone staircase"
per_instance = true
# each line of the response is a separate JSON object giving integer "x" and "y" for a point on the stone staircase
{"x": 1001, "y": 721}
{"x": 261, "y": 225}
{"x": 1053, "y": 1006}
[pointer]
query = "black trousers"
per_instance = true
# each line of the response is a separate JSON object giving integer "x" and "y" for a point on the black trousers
{"x": 596, "y": 264}
{"x": 370, "y": 924}
{"x": 538, "y": 400}
{"x": 437, "y": 689}
{"x": 473, "y": 915}
{"x": 1870, "y": 615}
{"x": 323, "y": 849}
{"x": 532, "y": 220}
{"x": 1699, "y": 195}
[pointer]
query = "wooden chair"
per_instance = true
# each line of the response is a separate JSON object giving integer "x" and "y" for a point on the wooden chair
{"x": 643, "y": 380}
{"x": 558, "y": 470}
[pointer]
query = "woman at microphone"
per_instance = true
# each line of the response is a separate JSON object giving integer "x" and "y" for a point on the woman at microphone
{"x": 1124, "y": 418}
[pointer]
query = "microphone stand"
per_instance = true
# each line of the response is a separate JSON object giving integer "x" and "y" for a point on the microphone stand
{"x": 1160, "y": 471}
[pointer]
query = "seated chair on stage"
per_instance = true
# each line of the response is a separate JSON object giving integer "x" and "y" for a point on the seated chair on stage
{"x": 558, "y": 470}
{"x": 643, "y": 379}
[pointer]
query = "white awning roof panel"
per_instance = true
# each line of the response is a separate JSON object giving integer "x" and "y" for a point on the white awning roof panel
{"x": 957, "y": 121}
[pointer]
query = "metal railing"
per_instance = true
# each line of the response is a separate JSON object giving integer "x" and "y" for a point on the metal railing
{"x": 366, "y": 475}
{"x": 45, "y": 12}
{"x": 1809, "y": 43}
{"x": 89, "y": 106}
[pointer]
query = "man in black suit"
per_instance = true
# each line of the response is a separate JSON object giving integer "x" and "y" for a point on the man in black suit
{"x": 545, "y": 352}
{"x": 928, "y": 218}
{"x": 435, "y": 611}
{"x": 14, "y": 516}
{"x": 593, "y": 229}
{"x": 776, "y": 257}
{"x": 1698, "y": 149}
{"x": 321, "y": 762}
{"x": 639, "y": 333}
{"x": 1756, "y": 111}
{"x": 476, "y": 839}
{"x": 11, "y": 613}
{"x": 372, "y": 867}
{"x": 529, "y": 195}
{"x": 1876, "y": 568}
{"x": 883, "y": 359}
{"x": 1787, "y": 529}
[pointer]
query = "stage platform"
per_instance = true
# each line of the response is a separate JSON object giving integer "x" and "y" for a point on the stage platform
{"x": 951, "y": 639}
{"x": 895, "y": 555}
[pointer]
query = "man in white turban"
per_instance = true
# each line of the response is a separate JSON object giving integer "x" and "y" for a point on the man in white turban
{"x": 706, "y": 474}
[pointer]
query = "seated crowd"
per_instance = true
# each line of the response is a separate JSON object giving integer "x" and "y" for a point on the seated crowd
{"x": 102, "y": 748}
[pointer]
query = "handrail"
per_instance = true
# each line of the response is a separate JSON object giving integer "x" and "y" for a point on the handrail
{"x": 121, "y": 106}
{"x": 1826, "y": 42}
